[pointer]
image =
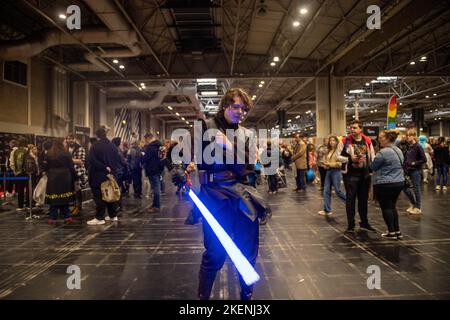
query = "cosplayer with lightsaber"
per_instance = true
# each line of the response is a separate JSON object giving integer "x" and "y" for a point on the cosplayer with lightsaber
{"x": 231, "y": 209}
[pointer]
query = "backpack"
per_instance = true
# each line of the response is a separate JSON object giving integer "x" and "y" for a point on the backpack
{"x": 19, "y": 160}
{"x": 29, "y": 165}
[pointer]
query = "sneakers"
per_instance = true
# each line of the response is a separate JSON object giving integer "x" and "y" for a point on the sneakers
{"x": 95, "y": 222}
{"x": 410, "y": 209}
{"x": 390, "y": 235}
{"x": 51, "y": 222}
{"x": 350, "y": 231}
{"x": 367, "y": 227}
{"x": 21, "y": 209}
{"x": 324, "y": 213}
{"x": 438, "y": 188}
{"x": 444, "y": 188}
{"x": 399, "y": 235}
{"x": 153, "y": 210}
{"x": 68, "y": 220}
{"x": 416, "y": 211}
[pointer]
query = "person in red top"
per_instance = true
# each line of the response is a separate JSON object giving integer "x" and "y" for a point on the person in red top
{"x": 357, "y": 153}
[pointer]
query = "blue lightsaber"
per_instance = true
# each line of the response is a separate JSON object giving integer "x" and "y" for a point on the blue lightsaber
{"x": 244, "y": 267}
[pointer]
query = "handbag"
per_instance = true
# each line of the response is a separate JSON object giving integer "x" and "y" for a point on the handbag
{"x": 110, "y": 189}
{"x": 408, "y": 182}
{"x": 40, "y": 191}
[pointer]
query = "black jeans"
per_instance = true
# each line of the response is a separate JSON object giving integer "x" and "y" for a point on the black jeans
{"x": 323, "y": 174}
{"x": 22, "y": 191}
{"x": 387, "y": 195}
{"x": 356, "y": 188}
{"x": 245, "y": 234}
{"x": 300, "y": 179}
{"x": 272, "y": 181}
{"x": 101, "y": 205}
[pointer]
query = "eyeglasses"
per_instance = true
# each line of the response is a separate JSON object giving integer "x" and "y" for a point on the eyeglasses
{"x": 239, "y": 106}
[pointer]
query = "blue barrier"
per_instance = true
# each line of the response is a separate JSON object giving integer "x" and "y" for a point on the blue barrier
{"x": 14, "y": 178}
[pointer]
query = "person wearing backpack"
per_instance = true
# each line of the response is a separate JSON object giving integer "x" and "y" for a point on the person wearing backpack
{"x": 17, "y": 165}
{"x": 153, "y": 165}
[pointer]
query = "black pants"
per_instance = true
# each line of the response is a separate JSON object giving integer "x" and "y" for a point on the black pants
{"x": 136, "y": 175}
{"x": 356, "y": 188}
{"x": 387, "y": 195}
{"x": 272, "y": 181}
{"x": 245, "y": 234}
{"x": 323, "y": 174}
{"x": 22, "y": 191}
{"x": 101, "y": 205}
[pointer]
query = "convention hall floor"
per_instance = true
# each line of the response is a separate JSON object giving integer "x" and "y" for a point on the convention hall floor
{"x": 156, "y": 256}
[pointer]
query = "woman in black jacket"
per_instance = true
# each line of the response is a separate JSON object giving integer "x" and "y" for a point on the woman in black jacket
{"x": 59, "y": 168}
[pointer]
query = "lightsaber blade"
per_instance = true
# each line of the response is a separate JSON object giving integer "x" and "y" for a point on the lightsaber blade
{"x": 244, "y": 267}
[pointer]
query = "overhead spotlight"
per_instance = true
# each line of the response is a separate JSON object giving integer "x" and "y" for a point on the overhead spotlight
{"x": 353, "y": 116}
{"x": 187, "y": 122}
{"x": 253, "y": 98}
{"x": 412, "y": 63}
{"x": 124, "y": 122}
{"x": 296, "y": 23}
{"x": 435, "y": 94}
{"x": 177, "y": 114}
{"x": 371, "y": 111}
{"x": 427, "y": 97}
{"x": 367, "y": 84}
{"x": 289, "y": 120}
{"x": 182, "y": 118}
{"x": 142, "y": 84}
{"x": 273, "y": 64}
{"x": 169, "y": 107}
{"x": 431, "y": 110}
{"x": 423, "y": 58}
{"x": 115, "y": 61}
{"x": 260, "y": 85}
{"x": 435, "y": 118}
{"x": 375, "y": 110}
{"x": 440, "y": 118}
{"x": 297, "y": 117}
{"x": 140, "y": 89}
{"x": 401, "y": 103}
{"x": 303, "y": 11}
{"x": 122, "y": 66}
{"x": 436, "y": 110}
{"x": 276, "y": 58}
{"x": 262, "y": 82}
{"x": 62, "y": 16}
{"x": 190, "y": 126}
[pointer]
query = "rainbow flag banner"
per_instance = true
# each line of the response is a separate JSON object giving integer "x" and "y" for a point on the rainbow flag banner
{"x": 392, "y": 113}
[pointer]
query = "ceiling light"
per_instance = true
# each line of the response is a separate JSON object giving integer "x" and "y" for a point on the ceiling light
{"x": 115, "y": 61}
{"x": 273, "y": 64}
{"x": 207, "y": 81}
{"x": 169, "y": 107}
{"x": 357, "y": 91}
{"x": 187, "y": 122}
{"x": 124, "y": 121}
{"x": 260, "y": 85}
{"x": 262, "y": 82}
{"x": 431, "y": 110}
{"x": 412, "y": 63}
{"x": 276, "y": 59}
{"x": 436, "y": 110}
{"x": 62, "y": 16}
{"x": 375, "y": 110}
{"x": 440, "y": 118}
{"x": 296, "y": 23}
{"x": 423, "y": 58}
{"x": 427, "y": 97}
{"x": 140, "y": 89}
{"x": 401, "y": 103}
{"x": 371, "y": 111}
{"x": 177, "y": 113}
{"x": 182, "y": 118}
{"x": 209, "y": 93}
{"x": 277, "y": 126}
{"x": 142, "y": 84}
{"x": 303, "y": 11}
{"x": 367, "y": 84}
{"x": 435, "y": 118}
{"x": 122, "y": 66}
{"x": 435, "y": 94}
{"x": 297, "y": 117}
{"x": 289, "y": 120}
{"x": 190, "y": 126}
{"x": 353, "y": 116}
{"x": 253, "y": 98}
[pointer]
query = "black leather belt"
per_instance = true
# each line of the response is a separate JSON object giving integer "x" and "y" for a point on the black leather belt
{"x": 215, "y": 177}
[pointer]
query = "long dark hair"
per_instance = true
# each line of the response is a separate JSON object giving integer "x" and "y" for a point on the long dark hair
{"x": 335, "y": 138}
{"x": 57, "y": 149}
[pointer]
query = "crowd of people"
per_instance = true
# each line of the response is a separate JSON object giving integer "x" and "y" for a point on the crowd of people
{"x": 382, "y": 169}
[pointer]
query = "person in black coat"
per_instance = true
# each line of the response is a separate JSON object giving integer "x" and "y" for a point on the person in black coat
{"x": 102, "y": 160}
{"x": 59, "y": 168}
{"x": 153, "y": 166}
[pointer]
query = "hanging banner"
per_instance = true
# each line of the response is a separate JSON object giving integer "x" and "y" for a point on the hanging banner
{"x": 392, "y": 113}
